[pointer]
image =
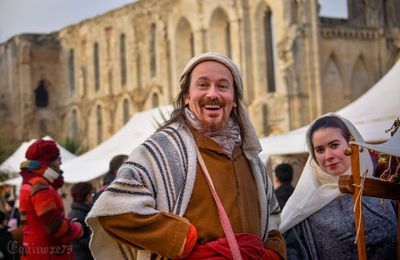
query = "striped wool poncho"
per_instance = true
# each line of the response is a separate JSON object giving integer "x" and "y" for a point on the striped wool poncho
{"x": 159, "y": 176}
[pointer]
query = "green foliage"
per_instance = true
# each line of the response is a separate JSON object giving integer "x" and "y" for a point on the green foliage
{"x": 5, "y": 148}
{"x": 71, "y": 145}
{"x": 6, "y": 175}
{"x": 5, "y": 152}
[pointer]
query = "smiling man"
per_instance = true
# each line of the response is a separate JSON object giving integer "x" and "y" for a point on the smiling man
{"x": 161, "y": 204}
{"x": 211, "y": 95}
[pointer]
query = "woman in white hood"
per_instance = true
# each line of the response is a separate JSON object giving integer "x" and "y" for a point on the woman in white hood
{"x": 318, "y": 220}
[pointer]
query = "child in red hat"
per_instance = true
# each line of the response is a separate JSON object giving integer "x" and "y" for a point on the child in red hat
{"x": 47, "y": 233}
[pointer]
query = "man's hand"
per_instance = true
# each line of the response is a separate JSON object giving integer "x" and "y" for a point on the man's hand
{"x": 189, "y": 243}
{"x": 271, "y": 255}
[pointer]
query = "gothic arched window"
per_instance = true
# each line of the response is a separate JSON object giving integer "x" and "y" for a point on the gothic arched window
{"x": 138, "y": 71}
{"x": 219, "y": 38}
{"x": 71, "y": 70}
{"x": 74, "y": 134}
{"x": 41, "y": 95}
{"x": 269, "y": 50}
{"x": 265, "y": 119}
{"x": 152, "y": 50}
{"x": 122, "y": 58}
{"x": 96, "y": 66}
{"x": 155, "y": 100}
{"x": 295, "y": 11}
{"x": 184, "y": 48}
{"x": 84, "y": 80}
{"x": 126, "y": 111}
{"x": 99, "y": 124}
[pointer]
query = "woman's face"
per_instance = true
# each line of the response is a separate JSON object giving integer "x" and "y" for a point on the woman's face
{"x": 329, "y": 145}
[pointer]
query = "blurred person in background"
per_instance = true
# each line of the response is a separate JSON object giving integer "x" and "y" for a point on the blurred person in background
{"x": 114, "y": 165}
{"x": 13, "y": 214}
{"x": 283, "y": 183}
{"x": 82, "y": 195}
{"x": 6, "y": 241}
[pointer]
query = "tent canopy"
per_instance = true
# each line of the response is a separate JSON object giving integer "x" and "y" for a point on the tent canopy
{"x": 11, "y": 165}
{"x": 372, "y": 113}
{"x": 95, "y": 162}
{"x": 390, "y": 147}
{"x": 13, "y": 162}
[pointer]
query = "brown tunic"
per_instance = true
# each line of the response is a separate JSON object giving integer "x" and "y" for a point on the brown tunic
{"x": 164, "y": 233}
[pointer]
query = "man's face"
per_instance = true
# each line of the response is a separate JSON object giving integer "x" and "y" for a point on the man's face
{"x": 211, "y": 95}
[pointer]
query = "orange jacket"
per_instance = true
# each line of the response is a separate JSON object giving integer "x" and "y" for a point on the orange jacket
{"x": 46, "y": 232}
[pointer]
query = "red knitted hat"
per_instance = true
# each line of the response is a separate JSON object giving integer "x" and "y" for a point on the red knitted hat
{"x": 43, "y": 150}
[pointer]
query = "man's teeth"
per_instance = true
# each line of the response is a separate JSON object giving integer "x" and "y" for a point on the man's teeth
{"x": 212, "y": 107}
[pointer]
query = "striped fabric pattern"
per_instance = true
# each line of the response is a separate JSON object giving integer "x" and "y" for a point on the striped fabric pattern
{"x": 159, "y": 176}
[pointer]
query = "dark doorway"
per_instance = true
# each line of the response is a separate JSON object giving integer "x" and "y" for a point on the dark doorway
{"x": 41, "y": 95}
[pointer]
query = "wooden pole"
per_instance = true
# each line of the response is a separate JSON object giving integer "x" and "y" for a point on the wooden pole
{"x": 398, "y": 229}
{"x": 358, "y": 213}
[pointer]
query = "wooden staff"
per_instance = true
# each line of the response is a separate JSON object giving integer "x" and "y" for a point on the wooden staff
{"x": 358, "y": 211}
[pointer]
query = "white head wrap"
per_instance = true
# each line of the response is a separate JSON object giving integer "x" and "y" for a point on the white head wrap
{"x": 315, "y": 188}
{"x": 251, "y": 145}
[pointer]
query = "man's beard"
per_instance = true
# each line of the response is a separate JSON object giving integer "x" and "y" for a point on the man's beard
{"x": 211, "y": 126}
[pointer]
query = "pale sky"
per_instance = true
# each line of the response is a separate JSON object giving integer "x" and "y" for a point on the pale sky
{"x": 45, "y": 16}
{"x": 333, "y": 8}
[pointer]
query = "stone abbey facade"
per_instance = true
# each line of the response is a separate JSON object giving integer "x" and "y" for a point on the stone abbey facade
{"x": 86, "y": 80}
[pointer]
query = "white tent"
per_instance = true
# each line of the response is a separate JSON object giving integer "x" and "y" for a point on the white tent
{"x": 95, "y": 162}
{"x": 372, "y": 113}
{"x": 11, "y": 165}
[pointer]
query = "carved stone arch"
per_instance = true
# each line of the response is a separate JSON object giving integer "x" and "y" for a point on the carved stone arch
{"x": 360, "y": 81}
{"x": 184, "y": 48}
{"x": 395, "y": 57}
{"x": 332, "y": 86}
{"x": 265, "y": 47}
{"x": 143, "y": 101}
{"x": 154, "y": 96}
{"x": 219, "y": 32}
{"x": 123, "y": 112}
{"x": 155, "y": 100}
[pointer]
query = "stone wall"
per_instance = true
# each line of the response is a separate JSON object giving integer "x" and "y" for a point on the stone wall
{"x": 295, "y": 65}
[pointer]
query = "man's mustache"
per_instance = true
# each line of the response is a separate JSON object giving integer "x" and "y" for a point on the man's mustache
{"x": 211, "y": 102}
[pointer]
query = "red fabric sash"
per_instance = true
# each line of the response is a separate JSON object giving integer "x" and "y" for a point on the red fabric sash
{"x": 251, "y": 248}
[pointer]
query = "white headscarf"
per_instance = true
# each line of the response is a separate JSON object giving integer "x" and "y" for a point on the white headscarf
{"x": 251, "y": 145}
{"x": 315, "y": 188}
